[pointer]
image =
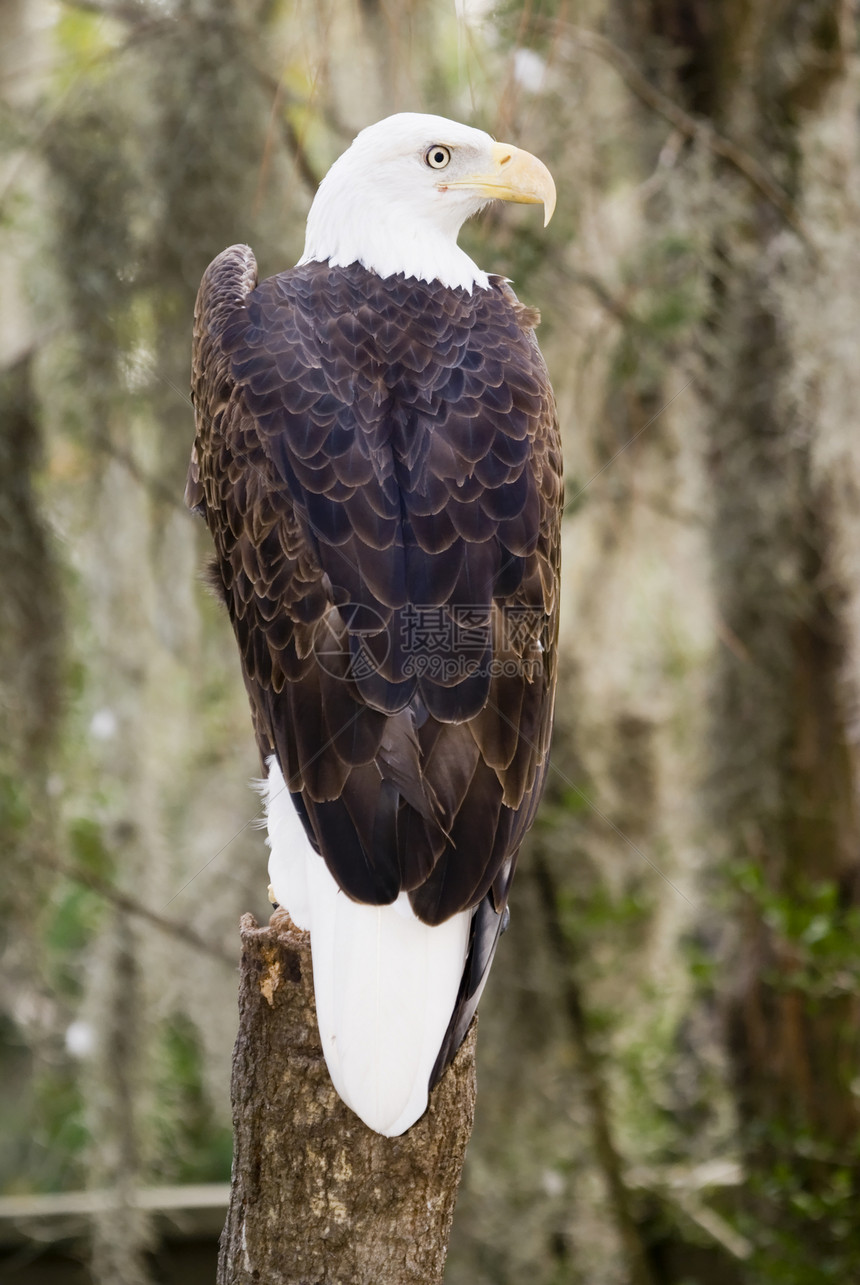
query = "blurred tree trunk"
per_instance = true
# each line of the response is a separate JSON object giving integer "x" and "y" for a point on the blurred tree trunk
{"x": 316, "y": 1195}
{"x": 784, "y": 765}
{"x": 31, "y": 616}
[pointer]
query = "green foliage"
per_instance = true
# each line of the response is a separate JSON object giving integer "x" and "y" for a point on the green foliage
{"x": 87, "y": 847}
{"x": 802, "y": 1217}
{"x": 665, "y": 296}
{"x": 610, "y": 917}
{"x": 61, "y": 1136}
{"x": 85, "y": 41}
{"x": 15, "y": 810}
{"x": 195, "y": 1146}
{"x": 76, "y": 916}
{"x": 816, "y": 923}
{"x": 702, "y": 963}
{"x": 42, "y": 1116}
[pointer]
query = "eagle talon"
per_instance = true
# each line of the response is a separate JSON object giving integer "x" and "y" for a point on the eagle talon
{"x": 272, "y": 898}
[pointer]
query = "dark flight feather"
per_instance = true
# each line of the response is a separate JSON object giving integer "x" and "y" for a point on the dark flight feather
{"x": 378, "y": 463}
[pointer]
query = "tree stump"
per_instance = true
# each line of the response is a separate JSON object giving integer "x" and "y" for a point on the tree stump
{"x": 316, "y": 1196}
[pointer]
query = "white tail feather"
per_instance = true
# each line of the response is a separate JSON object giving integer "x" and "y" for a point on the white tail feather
{"x": 385, "y": 983}
{"x": 290, "y": 848}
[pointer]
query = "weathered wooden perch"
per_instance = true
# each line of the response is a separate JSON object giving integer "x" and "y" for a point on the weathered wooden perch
{"x": 317, "y": 1196}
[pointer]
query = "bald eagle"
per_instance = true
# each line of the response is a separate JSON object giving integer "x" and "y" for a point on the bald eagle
{"x": 377, "y": 459}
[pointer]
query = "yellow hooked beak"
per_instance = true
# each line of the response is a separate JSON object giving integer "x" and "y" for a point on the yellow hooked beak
{"x": 513, "y": 175}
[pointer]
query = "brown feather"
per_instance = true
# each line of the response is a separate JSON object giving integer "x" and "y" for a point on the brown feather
{"x": 369, "y": 452}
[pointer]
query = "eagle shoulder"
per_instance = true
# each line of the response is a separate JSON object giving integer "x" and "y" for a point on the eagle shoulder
{"x": 225, "y": 286}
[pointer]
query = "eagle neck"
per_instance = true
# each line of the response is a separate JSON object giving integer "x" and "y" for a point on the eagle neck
{"x": 364, "y": 228}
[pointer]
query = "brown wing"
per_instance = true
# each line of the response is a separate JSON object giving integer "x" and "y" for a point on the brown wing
{"x": 378, "y": 463}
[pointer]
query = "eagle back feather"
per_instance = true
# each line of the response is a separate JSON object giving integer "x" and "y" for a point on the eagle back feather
{"x": 378, "y": 462}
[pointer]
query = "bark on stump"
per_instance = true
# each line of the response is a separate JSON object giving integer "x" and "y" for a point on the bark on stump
{"x": 316, "y": 1196}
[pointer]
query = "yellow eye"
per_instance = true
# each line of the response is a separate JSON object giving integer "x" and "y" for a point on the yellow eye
{"x": 437, "y": 156}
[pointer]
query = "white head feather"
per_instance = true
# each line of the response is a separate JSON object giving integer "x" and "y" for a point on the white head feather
{"x": 382, "y": 205}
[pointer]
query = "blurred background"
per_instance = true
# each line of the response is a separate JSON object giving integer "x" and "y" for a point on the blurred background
{"x": 669, "y": 1082}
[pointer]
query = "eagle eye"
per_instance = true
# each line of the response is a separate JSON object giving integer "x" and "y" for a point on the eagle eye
{"x": 437, "y": 156}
